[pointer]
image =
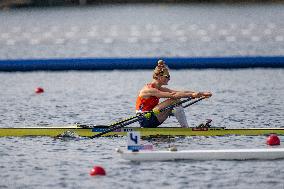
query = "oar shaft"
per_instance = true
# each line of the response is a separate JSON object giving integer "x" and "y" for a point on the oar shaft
{"x": 123, "y": 121}
{"x": 193, "y": 102}
{"x": 175, "y": 105}
{"x": 133, "y": 119}
{"x": 115, "y": 128}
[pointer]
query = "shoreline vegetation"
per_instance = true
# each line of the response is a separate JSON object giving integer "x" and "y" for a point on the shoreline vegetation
{"x": 42, "y": 3}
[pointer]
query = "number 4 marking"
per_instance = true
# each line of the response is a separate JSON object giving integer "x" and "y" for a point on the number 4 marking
{"x": 134, "y": 138}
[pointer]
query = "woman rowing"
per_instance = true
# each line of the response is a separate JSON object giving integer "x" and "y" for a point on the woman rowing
{"x": 149, "y": 95}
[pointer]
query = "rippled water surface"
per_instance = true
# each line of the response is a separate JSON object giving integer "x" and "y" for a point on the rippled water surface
{"x": 159, "y": 30}
{"x": 242, "y": 98}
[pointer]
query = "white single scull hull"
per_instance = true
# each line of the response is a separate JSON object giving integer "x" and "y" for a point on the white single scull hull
{"x": 224, "y": 154}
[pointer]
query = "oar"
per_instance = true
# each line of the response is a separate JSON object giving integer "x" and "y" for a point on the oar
{"x": 133, "y": 119}
{"x": 193, "y": 102}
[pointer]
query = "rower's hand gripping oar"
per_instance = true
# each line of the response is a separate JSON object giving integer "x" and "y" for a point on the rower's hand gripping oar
{"x": 133, "y": 119}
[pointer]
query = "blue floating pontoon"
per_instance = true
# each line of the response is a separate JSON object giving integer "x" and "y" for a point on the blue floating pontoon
{"x": 140, "y": 63}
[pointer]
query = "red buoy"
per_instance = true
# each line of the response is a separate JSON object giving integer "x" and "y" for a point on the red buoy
{"x": 273, "y": 140}
{"x": 97, "y": 170}
{"x": 39, "y": 90}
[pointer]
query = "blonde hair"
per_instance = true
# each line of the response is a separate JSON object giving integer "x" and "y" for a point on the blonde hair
{"x": 161, "y": 69}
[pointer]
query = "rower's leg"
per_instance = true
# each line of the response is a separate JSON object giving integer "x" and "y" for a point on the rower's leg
{"x": 180, "y": 115}
{"x": 164, "y": 115}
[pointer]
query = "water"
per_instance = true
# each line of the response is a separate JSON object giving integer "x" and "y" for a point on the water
{"x": 242, "y": 98}
{"x": 167, "y": 30}
{"x": 48, "y": 163}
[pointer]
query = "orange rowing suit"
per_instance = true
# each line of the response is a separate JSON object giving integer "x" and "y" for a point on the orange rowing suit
{"x": 146, "y": 104}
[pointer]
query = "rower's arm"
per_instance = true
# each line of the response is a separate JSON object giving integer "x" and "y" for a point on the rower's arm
{"x": 171, "y": 90}
{"x": 158, "y": 93}
{"x": 186, "y": 94}
{"x": 168, "y": 93}
{"x": 164, "y": 89}
{"x": 182, "y": 94}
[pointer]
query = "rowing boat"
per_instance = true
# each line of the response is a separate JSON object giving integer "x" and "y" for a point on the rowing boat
{"x": 136, "y": 152}
{"x": 218, "y": 154}
{"x": 88, "y": 131}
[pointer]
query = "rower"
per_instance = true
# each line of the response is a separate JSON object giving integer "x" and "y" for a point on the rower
{"x": 149, "y": 96}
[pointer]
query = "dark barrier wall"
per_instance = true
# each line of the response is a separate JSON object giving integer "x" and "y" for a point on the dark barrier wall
{"x": 140, "y": 63}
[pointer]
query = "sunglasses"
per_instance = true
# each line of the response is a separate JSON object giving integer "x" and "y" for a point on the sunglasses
{"x": 167, "y": 76}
